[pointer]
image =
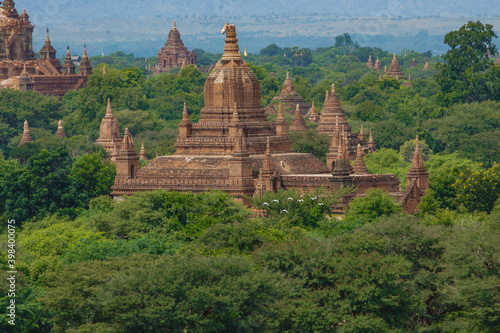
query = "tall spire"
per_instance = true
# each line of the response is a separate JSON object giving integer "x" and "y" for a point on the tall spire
{"x": 68, "y": 66}
{"x": 60, "y": 130}
{"x": 174, "y": 26}
{"x": 298, "y": 123}
{"x": 359, "y": 164}
{"x": 378, "y": 66}
{"x": 313, "y": 116}
{"x": 361, "y": 134}
{"x": 109, "y": 110}
{"x": 85, "y": 67}
{"x": 26, "y": 134}
{"x": 280, "y": 116}
{"x": 417, "y": 171}
{"x": 371, "y": 142}
{"x": 142, "y": 154}
{"x": 185, "y": 114}
{"x": 47, "y": 39}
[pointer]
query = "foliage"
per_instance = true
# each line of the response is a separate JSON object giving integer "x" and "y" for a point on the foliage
{"x": 462, "y": 76}
{"x": 387, "y": 161}
{"x": 407, "y": 150}
{"x": 312, "y": 142}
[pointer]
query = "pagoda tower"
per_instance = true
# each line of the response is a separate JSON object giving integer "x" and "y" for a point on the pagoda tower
{"x": 426, "y": 66}
{"x": 85, "y": 67}
{"x": 394, "y": 71}
{"x": 413, "y": 63}
{"x": 109, "y": 134}
{"x": 289, "y": 98}
{"x": 378, "y": 66}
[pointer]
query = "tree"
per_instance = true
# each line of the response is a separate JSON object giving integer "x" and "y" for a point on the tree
{"x": 272, "y": 50}
{"x": 407, "y": 150}
{"x": 461, "y": 76}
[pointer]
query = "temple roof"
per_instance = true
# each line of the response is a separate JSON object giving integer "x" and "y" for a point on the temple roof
{"x": 298, "y": 123}
{"x": 331, "y": 110}
{"x": 290, "y": 98}
{"x": 394, "y": 71}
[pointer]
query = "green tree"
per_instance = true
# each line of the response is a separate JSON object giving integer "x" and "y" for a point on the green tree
{"x": 461, "y": 76}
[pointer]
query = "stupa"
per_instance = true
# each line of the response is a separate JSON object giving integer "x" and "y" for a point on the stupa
{"x": 289, "y": 98}
{"x": 394, "y": 71}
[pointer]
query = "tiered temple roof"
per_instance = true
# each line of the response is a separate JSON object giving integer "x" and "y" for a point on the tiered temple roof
{"x": 174, "y": 53}
{"x": 289, "y": 98}
{"x": 26, "y": 134}
{"x": 394, "y": 71}
{"x": 298, "y": 123}
{"x": 378, "y": 66}
{"x": 331, "y": 110}
{"x": 109, "y": 134}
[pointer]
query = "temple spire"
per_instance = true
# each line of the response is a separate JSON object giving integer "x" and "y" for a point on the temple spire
{"x": 60, "y": 130}
{"x": 185, "y": 114}
{"x": 26, "y": 134}
{"x": 298, "y": 123}
{"x": 142, "y": 154}
{"x": 280, "y": 116}
{"x": 371, "y": 142}
{"x": 359, "y": 164}
{"x": 47, "y": 39}
{"x": 109, "y": 110}
{"x": 174, "y": 26}
{"x": 361, "y": 134}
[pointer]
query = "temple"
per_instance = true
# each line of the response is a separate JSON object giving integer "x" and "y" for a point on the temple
{"x": 234, "y": 148}
{"x": 19, "y": 68}
{"x": 370, "y": 62}
{"x": 426, "y": 66}
{"x": 174, "y": 53}
{"x": 413, "y": 63}
{"x": 289, "y": 98}
{"x": 394, "y": 71}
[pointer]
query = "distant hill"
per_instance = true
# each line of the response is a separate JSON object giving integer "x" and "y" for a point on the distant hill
{"x": 66, "y": 11}
{"x": 141, "y": 26}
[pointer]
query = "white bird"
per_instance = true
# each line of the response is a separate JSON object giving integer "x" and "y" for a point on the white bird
{"x": 301, "y": 200}
{"x": 265, "y": 203}
{"x": 284, "y": 210}
{"x": 320, "y": 204}
{"x": 290, "y": 198}
{"x": 224, "y": 29}
{"x": 275, "y": 200}
{"x": 188, "y": 159}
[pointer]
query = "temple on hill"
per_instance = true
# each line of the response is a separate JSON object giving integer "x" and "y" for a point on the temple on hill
{"x": 174, "y": 53}
{"x": 394, "y": 71}
{"x": 289, "y": 98}
{"x": 234, "y": 148}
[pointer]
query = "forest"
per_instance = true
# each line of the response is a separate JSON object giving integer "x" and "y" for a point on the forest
{"x": 181, "y": 262}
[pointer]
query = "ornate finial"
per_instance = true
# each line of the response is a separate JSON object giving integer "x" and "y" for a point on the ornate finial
{"x": 231, "y": 49}
{"x": 84, "y": 52}
{"x": 417, "y": 145}
{"x": 287, "y": 75}
{"x": 327, "y": 96}
{"x": 47, "y": 40}
{"x": 67, "y": 51}
{"x": 333, "y": 88}
{"x": 224, "y": 29}
{"x": 60, "y": 130}
{"x": 174, "y": 26}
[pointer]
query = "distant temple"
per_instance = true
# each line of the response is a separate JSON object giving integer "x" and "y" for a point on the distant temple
{"x": 19, "y": 69}
{"x": 394, "y": 71}
{"x": 234, "y": 148}
{"x": 174, "y": 53}
{"x": 289, "y": 98}
{"x": 426, "y": 66}
{"x": 413, "y": 63}
{"x": 370, "y": 62}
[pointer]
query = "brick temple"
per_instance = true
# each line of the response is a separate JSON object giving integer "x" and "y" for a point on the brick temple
{"x": 234, "y": 148}
{"x": 289, "y": 98}
{"x": 174, "y": 53}
{"x": 19, "y": 68}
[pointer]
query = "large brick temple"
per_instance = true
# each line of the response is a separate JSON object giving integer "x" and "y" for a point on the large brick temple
{"x": 19, "y": 68}
{"x": 234, "y": 148}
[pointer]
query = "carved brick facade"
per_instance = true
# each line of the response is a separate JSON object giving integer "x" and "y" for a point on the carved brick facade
{"x": 234, "y": 148}
{"x": 17, "y": 57}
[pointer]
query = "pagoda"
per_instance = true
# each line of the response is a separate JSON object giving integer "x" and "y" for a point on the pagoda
{"x": 289, "y": 98}
{"x": 370, "y": 62}
{"x": 174, "y": 53}
{"x": 394, "y": 71}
